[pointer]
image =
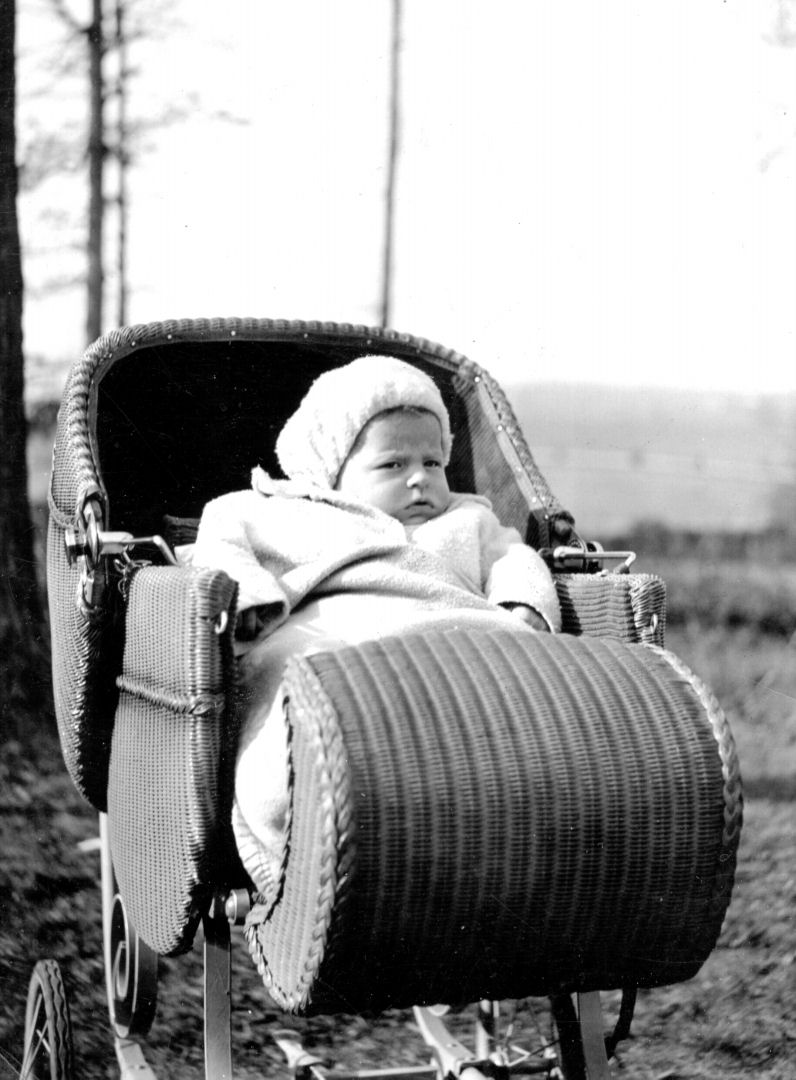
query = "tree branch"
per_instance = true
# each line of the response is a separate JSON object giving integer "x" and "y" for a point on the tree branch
{"x": 66, "y": 16}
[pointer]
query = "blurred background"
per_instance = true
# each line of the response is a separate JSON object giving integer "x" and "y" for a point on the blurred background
{"x": 595, "y": 202}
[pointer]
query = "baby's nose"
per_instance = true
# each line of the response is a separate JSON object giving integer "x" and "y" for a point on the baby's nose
{"x": 417, "y": 477}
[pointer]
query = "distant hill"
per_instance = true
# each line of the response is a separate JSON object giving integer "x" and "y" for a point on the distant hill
{"x": 617, "y": 456}
{"x": 613, "y": 456}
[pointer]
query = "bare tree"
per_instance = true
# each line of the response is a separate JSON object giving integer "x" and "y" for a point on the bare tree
{"x": 96, "y": 51}
{"x": 21, "y": 617}
{"x": 123, "y": 162}
{"x": 93, "y": 33}
{"x": 96, "y": 171}
{"x": 392, "y": 163}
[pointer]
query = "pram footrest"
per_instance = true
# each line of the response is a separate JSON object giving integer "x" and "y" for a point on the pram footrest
{"x": 497, "y": 815}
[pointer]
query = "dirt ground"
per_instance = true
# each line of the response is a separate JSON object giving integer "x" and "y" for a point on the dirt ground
{"x": 732, "y": 1020}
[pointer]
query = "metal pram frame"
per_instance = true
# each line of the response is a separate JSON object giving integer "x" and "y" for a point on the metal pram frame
{"x": 156, "y": 420}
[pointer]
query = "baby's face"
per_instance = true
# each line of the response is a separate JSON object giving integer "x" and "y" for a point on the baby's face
{"x": 397, "y": 466}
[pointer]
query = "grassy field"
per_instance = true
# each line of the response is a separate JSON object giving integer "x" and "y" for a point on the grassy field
{"x": 733, "y": 624}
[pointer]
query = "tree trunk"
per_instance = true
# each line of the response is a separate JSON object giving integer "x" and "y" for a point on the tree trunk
{"x": 123, "y": 162}
{"x": 392, "y": 163}
{"x": 96, "y": 168}
{"x": 23, "y": 676}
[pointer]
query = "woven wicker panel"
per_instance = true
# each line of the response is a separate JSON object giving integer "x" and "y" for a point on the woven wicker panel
{"x": 170, "y": 783}
{"x": 627, "y": 607}
{"x": 491, "y": 815}
{"x": 86, "y": 658}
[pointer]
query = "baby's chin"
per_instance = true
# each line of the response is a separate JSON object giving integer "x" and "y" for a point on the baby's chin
{"x": 420, "y": 514}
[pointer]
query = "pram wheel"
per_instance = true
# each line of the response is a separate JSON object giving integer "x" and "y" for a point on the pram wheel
{"x": 133, "y": 969}
{"x": 48, "y": 1053}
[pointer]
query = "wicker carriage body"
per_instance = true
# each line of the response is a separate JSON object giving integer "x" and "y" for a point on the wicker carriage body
{"x": 497, "y": 815}
{"x": 158, "y": 419}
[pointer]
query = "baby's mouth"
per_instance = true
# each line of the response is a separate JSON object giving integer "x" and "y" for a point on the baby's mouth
{"x": 419, "y": 508}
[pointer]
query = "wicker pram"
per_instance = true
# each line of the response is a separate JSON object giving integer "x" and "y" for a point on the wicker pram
{"x": 473, "y": 815}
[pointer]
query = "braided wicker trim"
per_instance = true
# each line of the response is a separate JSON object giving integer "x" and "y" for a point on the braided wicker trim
{"x": 312, "y": 709}
{"x": 732, "y": 792}
{"x": 730, "y": 765}
{"x": 336, "y": 829}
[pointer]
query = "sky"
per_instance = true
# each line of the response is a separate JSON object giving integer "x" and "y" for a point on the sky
{"x": 585, "y": 192}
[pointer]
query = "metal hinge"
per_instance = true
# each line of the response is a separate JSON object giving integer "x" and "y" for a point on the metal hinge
{"x": 89, "y": 546}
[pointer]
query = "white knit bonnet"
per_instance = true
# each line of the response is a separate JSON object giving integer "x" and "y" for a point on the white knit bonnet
{"x": 316, "y": 440}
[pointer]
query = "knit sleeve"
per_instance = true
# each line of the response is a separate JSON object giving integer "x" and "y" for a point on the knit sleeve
{"x": 514, "y": 573}
{"x": 224, "y": 542}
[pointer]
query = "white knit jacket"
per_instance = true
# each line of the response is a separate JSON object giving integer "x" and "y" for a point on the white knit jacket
{"x": 283, "y": 542}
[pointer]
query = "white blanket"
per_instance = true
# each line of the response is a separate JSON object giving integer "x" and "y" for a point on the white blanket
{"x": 324, "y": 571}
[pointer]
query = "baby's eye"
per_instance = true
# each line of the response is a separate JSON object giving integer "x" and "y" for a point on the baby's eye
{"x": 390, "y": 465}
{"x": 433, "y": 463}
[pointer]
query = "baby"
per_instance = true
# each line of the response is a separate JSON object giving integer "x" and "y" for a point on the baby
{"x": 397, "y": 464}
{"x": 363, "y": 540}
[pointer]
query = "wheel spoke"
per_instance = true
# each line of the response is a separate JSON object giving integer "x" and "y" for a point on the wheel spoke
{"x": 38, "y": 1039}
{"x": 32, "y": 1056}
{"x": 48, "y": 1037}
